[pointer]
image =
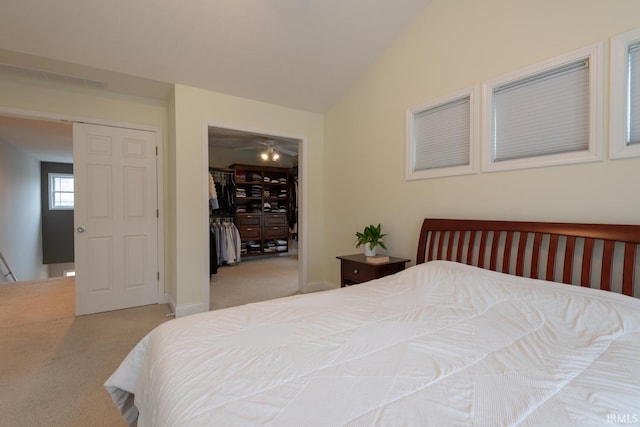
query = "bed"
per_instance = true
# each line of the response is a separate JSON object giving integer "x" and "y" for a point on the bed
{"x": 498, "y": 323}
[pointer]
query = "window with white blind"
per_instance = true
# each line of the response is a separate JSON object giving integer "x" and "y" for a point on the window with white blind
{"x": 546, "y": 115}
{"x": 441, "y": 137}
{"x": 625, "y": 96}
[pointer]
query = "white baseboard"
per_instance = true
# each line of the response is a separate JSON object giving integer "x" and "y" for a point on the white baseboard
{"x": 187, "y": 310}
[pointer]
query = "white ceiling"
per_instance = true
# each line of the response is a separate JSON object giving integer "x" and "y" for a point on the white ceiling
{"x": 298, "y": 53}
{"x": 302, "y": 54}
{"x": 241, "y": 140}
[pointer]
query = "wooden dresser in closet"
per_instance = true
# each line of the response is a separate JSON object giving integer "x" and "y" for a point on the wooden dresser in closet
{"x": 262, "y": 202}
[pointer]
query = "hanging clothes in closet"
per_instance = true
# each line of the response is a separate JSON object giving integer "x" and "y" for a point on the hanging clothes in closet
{"x": 224, "y": 237}
{"x": 224, "y": 243}
{"x": 213, "y": 251}
{"x": 222, "y": 193}
{"x": 293, "y": 206}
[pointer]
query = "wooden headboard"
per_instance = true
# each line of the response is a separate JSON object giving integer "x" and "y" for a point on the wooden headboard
{"x": 602, "y": 256}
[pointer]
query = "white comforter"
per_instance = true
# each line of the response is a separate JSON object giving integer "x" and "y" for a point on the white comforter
{"x": 438, "y": 344}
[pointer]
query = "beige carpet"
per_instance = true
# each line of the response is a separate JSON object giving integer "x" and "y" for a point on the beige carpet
{"x": 253, "y": 280}
{"x": 52, "y": 364}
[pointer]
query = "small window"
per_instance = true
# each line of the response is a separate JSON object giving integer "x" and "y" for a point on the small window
{"x": 60, "y": 191}
{"x": 546, "y": 115}
{"x": 625, "y": 96}
{"x": 441, "y": 137}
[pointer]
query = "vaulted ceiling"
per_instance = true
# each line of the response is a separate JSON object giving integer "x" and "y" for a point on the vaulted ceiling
{"x": 302, "y": 54}
{"x": 297, "y": 53}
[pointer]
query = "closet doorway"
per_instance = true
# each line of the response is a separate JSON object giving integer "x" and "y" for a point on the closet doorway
{"x": 255, "y": 176}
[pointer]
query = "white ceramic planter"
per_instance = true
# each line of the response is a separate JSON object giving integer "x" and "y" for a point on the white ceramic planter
{"x": 368, "y": 251}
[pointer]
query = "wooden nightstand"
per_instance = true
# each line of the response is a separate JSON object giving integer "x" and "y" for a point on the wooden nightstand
{"x": 355, "y": 269}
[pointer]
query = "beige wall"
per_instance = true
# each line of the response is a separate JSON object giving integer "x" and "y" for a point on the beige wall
{"x": 170, "y": 201}
{"x": 450, "y": 46}
{"x": 76, "y": 101}
{"x": 194, "y": 110}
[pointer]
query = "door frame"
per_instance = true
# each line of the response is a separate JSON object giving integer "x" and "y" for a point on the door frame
{"x": 302, "y": 193}
{"x": 163, "y": 296}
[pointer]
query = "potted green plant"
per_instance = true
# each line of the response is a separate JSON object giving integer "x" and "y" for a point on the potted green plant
{"x": 370, "y": 238}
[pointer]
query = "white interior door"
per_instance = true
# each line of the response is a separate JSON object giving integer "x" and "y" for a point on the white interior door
{"x": 115, "y": 218}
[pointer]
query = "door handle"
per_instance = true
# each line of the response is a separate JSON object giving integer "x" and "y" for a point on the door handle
{"x": 81, "y": 229}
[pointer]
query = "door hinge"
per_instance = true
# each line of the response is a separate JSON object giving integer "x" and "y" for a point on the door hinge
{"x": 156, "y": 150}
{"x": 158, "y": 275}
{"x": 157, "y": 213}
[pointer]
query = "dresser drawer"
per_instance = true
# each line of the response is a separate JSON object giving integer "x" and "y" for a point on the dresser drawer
{"x": 275, "y": 220}
{"x": 275, "y": 232}
{"x": 249, "y": 221}
{"x": 250, "y": 233}
{"x": 355, "y": 268}
{"x": 357, "y": 272}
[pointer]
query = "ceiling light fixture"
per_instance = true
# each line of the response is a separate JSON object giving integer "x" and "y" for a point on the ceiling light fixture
{"x": 270, "y": 154}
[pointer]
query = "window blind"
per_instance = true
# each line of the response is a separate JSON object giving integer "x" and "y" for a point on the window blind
{"x": 442, "y": 135}
{"x": 547, "y": 113}
{"x": 633, "y": 107}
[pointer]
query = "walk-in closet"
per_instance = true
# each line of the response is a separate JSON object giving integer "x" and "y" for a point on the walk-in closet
{"x": 253, "y": 216}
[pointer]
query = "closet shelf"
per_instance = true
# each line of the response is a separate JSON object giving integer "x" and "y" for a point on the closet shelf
{"x": 262, "y": 206}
